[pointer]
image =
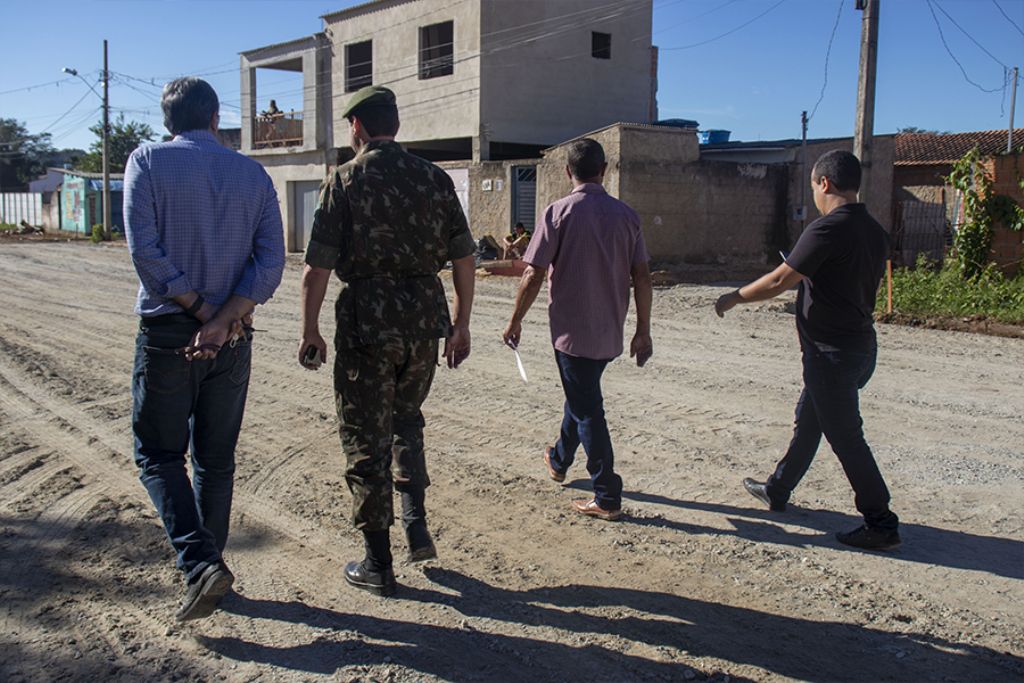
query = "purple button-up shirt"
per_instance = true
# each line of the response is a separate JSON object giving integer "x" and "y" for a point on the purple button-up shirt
{"x": 199, "y": 216}
{"x": 589, "y": 241}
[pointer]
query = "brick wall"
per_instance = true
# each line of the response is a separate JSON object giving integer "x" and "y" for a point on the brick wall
{"x": 1007, "y": 245}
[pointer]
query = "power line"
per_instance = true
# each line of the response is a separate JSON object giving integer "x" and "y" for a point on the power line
{"x": 38, "y": 85}
{"x": 727, "y": 33}
{"x": 687, "y": 20}
{"x": 964, "y": 31}
{"x": 828, "y": 53}
{"x": 1012, "y": 22}
{"x": 73, "y": 107}
{"x": 942, "y": 37}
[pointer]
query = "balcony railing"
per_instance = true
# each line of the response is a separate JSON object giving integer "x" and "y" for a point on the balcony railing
{"x": 280, "y": 129}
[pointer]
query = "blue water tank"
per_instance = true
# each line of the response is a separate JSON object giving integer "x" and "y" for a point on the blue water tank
{"x": 714, "y": 137}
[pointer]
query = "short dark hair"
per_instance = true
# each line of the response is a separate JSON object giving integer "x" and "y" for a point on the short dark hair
{"x": 586, "y": 158}
{"x": 841, "y": 168}
{"x": 519, "y": 224}
{"x": 377, "y": 119}
{"x": 189, "y": 103}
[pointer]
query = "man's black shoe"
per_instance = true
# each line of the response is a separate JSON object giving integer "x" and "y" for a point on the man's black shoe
{"x": 867, "y": 538}
{"x": 203, "y": 594}
{"x": 379, "y": 583}
{"x": 760, "y": 491}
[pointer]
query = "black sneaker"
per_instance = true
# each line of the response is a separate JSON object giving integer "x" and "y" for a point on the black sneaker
{"x": 203, "y": 594}
{"x": 760, "y": 491}
{"x": 867, "y": 538}
{"x": 379, "y": 583}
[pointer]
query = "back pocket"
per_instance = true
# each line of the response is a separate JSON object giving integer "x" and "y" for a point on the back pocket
{"x": 166, "y": 371}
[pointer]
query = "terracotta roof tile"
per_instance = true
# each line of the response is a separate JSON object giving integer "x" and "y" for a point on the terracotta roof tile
{"x": 933, "y": 148}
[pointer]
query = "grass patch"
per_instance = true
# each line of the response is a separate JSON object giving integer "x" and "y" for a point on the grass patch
{"x": 925, "y": 291}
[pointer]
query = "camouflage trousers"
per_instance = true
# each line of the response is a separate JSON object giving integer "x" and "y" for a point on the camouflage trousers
{"x": 378, "y": 391}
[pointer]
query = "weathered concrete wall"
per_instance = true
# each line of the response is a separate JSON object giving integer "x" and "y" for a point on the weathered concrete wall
{"x": 707, "y": 213}
{"x": 721, "y": 214}
{"x": 552, "y": 182}
{"x": 539, "y": 81}
{"x": 877, "y": 195}
{"x": 431, "y": 109}
{"x": 490, "y": 210}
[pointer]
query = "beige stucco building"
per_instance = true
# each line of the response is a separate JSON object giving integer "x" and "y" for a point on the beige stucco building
{"x": 476, "y": 81}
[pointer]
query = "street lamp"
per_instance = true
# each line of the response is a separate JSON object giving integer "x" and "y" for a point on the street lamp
{"x": 106, "y": 135}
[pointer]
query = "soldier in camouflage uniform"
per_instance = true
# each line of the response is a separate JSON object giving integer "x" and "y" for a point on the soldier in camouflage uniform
{"x": 387, "y": 223}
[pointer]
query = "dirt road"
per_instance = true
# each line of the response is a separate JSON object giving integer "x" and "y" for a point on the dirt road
{"x": 697, "y": 582}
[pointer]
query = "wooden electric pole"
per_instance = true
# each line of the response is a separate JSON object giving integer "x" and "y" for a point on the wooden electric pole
{"x": 865, "y": 121}
{"x": 1013, "y": 102}
{"x": 106, "y": 145}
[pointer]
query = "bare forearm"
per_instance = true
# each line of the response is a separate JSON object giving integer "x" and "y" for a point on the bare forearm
{"x": 314, "y": 289}
{"x": 236, "y": 308}
{"x": 464, "y": 281}
{"x": 767, "y": 286}
{"x": 643, "y": 295}
{"x": 529, "y": 287}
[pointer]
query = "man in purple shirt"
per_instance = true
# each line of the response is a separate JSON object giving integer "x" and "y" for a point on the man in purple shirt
{"x": 590, "y": 245}
{"x": 204, "y": 232}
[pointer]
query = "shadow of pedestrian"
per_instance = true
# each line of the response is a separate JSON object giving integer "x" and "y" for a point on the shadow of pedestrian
{"x": 348, "y": 639}
{"x": 921, "y": 543}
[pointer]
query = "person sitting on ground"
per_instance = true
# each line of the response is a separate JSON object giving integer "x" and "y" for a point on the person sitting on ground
{"x": 514, "y": 243}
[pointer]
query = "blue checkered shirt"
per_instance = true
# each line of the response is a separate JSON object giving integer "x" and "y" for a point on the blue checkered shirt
{"x": 199, "y": 216}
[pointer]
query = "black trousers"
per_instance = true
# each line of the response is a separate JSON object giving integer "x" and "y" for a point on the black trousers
{"x": 829, "y": 405}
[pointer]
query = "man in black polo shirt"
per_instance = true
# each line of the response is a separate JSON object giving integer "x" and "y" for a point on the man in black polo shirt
{"x": 838, "y": 261}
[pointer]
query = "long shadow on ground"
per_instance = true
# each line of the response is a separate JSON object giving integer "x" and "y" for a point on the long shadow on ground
{"x": 787, "y": 646}
{"x": 921, "y": 543}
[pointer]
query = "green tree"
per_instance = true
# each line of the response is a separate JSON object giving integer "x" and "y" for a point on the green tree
{"x": 125, "y": 136}
{"x": 23, "y": 156}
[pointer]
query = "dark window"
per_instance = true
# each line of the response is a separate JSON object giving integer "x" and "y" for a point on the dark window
{"x": 601, "y": 45}
{"x": 358, "y": 65}
{"x": 436, "y": 50}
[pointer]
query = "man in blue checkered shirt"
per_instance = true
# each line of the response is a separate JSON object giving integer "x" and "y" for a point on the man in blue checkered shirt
{"x": 204, "y": 232}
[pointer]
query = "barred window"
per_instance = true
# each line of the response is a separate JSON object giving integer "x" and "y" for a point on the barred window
{"x": 358, "y": 65}
{"x": 437, "y": 50}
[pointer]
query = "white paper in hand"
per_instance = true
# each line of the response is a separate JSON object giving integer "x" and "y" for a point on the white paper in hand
{"x": 519, "y": 364}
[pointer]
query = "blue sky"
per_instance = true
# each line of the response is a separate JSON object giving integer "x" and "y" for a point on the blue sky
{"x": 749, "y": 66}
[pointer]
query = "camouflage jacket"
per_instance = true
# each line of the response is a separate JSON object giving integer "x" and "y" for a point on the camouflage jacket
{"x": 387, "y": 222}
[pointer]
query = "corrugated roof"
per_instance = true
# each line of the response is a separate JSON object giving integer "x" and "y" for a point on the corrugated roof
{"x": 87, "y": 174}
{"x": 354, "y": 9}
{"x": 935, "y": 148}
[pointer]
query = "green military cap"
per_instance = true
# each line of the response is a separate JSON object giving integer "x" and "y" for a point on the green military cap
{"x": 370, "y": 96}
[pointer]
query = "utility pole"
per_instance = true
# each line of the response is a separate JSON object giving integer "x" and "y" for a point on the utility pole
{"x": 1013, "y": 101}
{"x": 865, "y": 120}
{"x": 106, "y": 145}
{"x": 804, "y": 179}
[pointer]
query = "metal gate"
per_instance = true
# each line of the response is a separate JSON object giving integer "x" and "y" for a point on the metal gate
{"x": 524, "y": 195}
{"x": 921, "y": 229}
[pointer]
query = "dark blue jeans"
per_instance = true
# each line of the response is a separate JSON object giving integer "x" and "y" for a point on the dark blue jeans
{"x": 829, "y": 404}
{"x": 181, "y": 406}
{"x": 583, "y": 422}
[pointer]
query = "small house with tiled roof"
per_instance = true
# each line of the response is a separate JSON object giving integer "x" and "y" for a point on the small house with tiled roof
{"x": 926, "y": 210}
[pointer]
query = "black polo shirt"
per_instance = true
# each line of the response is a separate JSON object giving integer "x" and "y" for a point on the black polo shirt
{"x": 842, "y": 258}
